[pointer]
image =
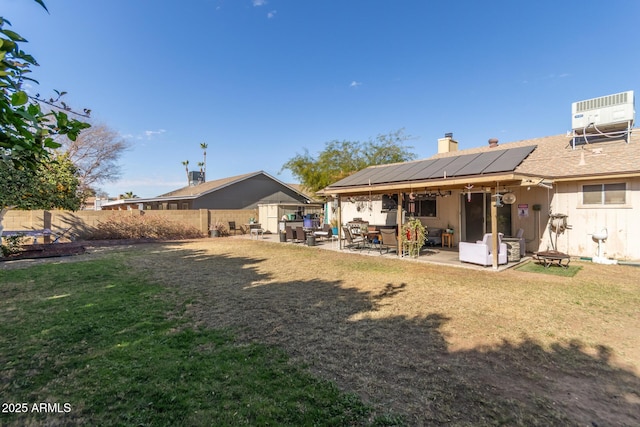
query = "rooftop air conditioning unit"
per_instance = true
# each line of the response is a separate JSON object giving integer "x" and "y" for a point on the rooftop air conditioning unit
{"x": 604, "y": 114}
{"x": 195, "y": 178}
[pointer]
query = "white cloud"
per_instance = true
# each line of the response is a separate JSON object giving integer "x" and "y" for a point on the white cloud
{"x": 257, "y": 3}
{"x": 151, "y": 133}
{"x": 355, "y": 84}
{"x": 272, "y": 14}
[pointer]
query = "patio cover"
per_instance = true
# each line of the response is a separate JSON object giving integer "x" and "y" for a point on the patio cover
{"x": 455, "y": 171}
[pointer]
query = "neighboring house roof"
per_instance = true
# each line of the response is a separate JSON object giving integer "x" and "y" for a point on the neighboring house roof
{"x": 195, "y": 191}
{"x": 300, "y": 189}
{"x": 552, "y": 157}
{"x": 207, "y": 186}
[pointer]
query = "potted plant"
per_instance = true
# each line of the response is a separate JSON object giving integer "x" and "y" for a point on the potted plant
{"x": 217, "y": 229}
{"x": 334, "y": 226}
{"x": 449, "y": 229}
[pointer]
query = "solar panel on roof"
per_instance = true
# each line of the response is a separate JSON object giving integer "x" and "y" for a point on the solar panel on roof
{"x": 455, "y": 166}
{"x": 415, "y": 170}
{"x": 393, "y": 173}
{"x": 452, "y": 168}
{"x": 358, "y": 177}
{"x": 431, "y": 167}
{"x": 384, "y": 173}
{"x": 480, "y": 163}
{"x": 510, "y": 159}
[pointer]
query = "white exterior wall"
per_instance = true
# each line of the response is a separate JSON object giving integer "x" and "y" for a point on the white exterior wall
{"x": 369, "y": 211}
{"x": 622, "y": 221}
{"x": 448, "y": 213}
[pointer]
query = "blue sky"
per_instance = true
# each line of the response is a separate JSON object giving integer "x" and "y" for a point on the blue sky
{"x": 262, "y": 80}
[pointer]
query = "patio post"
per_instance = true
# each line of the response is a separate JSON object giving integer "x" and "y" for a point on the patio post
{"x": 399, "y": 224}
{"x": 494, "y": 232}
{"x": 339, "y": 215}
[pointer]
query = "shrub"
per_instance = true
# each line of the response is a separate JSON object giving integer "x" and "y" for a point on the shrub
{"x": 143, "y": 227}
{"x": 12, "y": 245}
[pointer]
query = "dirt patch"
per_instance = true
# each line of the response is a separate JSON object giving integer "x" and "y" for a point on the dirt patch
{"x": 46, "y": 251}
{"x": 67, "y": 252}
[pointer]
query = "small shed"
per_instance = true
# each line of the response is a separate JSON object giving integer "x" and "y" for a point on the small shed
{"x": 275, "y": 216}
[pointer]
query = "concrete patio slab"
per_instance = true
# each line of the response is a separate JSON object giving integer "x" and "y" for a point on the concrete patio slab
{"x": 432, "y": 255}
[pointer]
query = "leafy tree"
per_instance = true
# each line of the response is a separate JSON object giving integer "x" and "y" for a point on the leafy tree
{"x": 26, "y": 130}
{"x": 340, "y": 159}
{"x": 50, "y": 185}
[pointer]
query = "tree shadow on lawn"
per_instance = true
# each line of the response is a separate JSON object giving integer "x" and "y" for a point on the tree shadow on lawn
{"x": 401, "y": 365}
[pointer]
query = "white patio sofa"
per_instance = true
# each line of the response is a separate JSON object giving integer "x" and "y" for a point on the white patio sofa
{"x": 480, "y": 252}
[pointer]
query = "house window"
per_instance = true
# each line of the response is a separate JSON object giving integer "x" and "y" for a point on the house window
{"x": 421, "y": 207}
{"x": 604, "y": 194}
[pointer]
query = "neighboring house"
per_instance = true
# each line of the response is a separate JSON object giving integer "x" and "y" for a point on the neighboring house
{"x": 237, "y": 192}
{"x": 93, "y": 203}
{"x": 592, "y": 185}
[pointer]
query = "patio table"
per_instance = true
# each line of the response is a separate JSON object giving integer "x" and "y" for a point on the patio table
{"x": 549, "y": 258}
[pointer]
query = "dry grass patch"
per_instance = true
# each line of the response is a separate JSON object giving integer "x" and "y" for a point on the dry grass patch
{"x": 440, "y": 345}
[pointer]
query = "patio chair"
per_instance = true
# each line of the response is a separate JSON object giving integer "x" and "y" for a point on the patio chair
{"x": 258, "y": 232}
{"x": 324, "y": 233}
{"x": 389, "y": 240}
{"x": 288, "y": 231}
{"x": 352, "y": 242}
{"x": 434, "y": 237}
{"x": 300, "y": 236}
{"x": 232, "y": 227}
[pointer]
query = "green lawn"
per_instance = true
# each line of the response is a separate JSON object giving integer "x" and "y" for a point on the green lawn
{"x": 113, "y": 348}
{"x": 556, "y": 270}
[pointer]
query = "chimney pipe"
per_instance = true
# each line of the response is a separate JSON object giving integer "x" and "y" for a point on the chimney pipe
{"x": 493, "y": 142}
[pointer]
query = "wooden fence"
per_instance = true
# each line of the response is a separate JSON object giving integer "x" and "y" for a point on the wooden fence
{"x": 81, "y": 223}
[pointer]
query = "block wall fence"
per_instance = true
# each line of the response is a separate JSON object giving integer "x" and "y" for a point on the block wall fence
{"x": 82, "y": 222}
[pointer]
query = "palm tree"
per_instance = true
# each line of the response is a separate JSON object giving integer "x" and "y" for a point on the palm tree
{"x": 186, "y": 168}
{"x": 204, "y": 147}
{"x": 128, "y": 195}
{"x": 201, "y": 178}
